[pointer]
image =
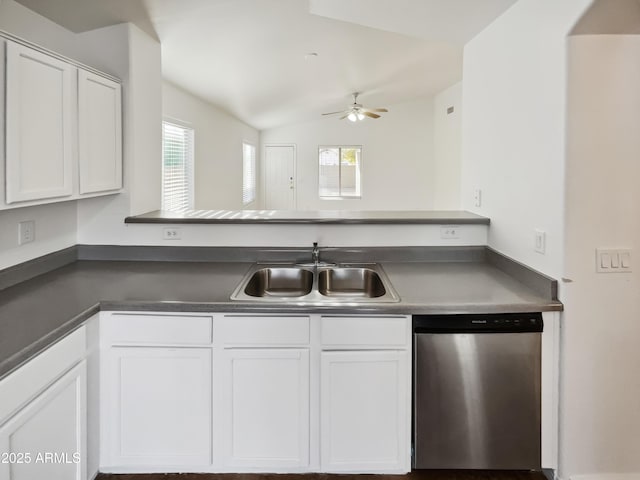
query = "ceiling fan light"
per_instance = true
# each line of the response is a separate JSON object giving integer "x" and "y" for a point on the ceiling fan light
{"x": 360, "y": 116}
{"x": 352, "y": 116}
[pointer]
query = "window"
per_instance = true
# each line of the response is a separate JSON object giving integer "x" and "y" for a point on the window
{"x": 340, "y": 170}
{"x": 177, "y": 167}
{"x": 248, "y": 173}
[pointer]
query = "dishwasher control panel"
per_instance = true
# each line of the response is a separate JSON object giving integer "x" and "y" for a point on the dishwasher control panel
{"x": 487, "y": 323}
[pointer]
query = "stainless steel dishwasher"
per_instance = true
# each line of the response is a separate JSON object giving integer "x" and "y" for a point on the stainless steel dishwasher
{"x": 476, "y": 391}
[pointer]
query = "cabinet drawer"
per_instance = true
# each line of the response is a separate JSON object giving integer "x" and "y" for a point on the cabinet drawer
{"x": 265, "y": 330}
{"x": 136, "y": 329}
{"x": 371, "y": 331}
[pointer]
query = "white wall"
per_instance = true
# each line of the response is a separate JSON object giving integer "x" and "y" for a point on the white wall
{"x": 601, "y": 326}
{"x": 144, "y": 121}
{"x": 447, "y": 143}
{"x": 55, "y": 230}
{"x": 300, "y": 235}
{"x": 513, "y": 127}
{"x": 218, "y": 148}
{"x": 397, "y": 157}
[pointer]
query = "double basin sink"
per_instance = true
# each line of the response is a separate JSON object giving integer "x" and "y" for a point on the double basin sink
{"x": 361, "y": 283}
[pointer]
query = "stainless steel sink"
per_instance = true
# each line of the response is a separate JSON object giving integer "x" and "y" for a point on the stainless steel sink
{"x": 279, "y": 282}
{"x": 321, "y": 284}
{"x": 350, "y": 282}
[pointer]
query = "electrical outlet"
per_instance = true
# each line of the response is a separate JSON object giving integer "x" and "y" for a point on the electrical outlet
{"x": 26, "y": 232}
{"x": 449, "y": 232}
{"x": 540, "y": 241}
{"x": 171, "y": 233}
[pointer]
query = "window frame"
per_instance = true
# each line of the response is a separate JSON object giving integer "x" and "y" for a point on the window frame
{"x": 190, "y": 174}
{"x": 340, "y": 148}
{"x": 254, "y": 171}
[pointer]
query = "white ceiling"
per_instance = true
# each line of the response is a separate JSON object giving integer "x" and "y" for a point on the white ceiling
{"x": 456, "y": 21}
{"x": 248, "y": 56}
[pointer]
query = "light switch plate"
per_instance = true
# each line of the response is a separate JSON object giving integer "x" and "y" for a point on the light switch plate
{"x": 540, "y": 241}
{"x": 613, "y": 260}
{"x": 477, "y": 197}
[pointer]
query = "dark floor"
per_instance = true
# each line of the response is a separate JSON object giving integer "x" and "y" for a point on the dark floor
{"x": 415, "y": 475}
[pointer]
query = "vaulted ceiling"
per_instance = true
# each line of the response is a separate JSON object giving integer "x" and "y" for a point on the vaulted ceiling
{"x": 249, "y": 56}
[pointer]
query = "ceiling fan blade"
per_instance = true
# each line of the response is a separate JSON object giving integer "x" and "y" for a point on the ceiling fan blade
{"x": 370, "y": 114}
{"x": 384, "y": 110}
{"x": 342, "y": 118}
{"x": 334, "y": 113}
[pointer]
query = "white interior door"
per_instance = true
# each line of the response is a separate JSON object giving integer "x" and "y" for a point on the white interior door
{"x": 280, "y": 177}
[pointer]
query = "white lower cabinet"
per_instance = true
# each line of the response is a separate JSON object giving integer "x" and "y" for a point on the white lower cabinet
{"x": 266, "y": 408}
{"x": 364, "y": 411}
{"x": 46, "y": 438}
{"x": 254, "y": 393}
{"x": 159, "y": 406}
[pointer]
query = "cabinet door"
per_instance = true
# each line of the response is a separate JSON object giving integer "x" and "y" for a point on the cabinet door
{"x": 364, "y": 417}
{"x": 159, "y": 409}
{"x": 39, "y": 137}
{"x": 100, "y": 133}
{"x": 47, "y": 438}
{"x": 266, "y": 398}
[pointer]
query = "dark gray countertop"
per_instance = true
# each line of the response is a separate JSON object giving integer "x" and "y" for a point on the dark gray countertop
{"x": 37, "y": 312}
{"x": 456, "y": 217}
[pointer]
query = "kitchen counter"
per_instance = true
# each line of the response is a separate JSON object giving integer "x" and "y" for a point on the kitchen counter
{"x": 393, "y": 217}
{"x": 39, "y": 311}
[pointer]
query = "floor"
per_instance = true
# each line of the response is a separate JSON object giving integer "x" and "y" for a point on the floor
{"x": 415, "y": 475}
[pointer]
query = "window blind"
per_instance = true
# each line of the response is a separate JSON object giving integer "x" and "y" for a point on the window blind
{"x": 248, "y": 173}
{"x": 177, "y": 167}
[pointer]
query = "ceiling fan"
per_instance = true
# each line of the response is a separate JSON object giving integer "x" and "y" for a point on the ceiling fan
{"x": 357, "y": 112}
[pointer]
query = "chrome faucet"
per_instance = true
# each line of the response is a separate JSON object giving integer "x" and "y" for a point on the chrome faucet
{"x": 315, "y": 254}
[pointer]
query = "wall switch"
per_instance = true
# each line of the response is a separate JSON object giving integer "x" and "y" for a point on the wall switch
{"x": 540, "y": 241}
{"x": 450, "y": 232}
{"x": 477, "y": 197}
{"x": 26, "y": 232}
{"x": 171, "y": 233}
{"x": 613, "y": 260}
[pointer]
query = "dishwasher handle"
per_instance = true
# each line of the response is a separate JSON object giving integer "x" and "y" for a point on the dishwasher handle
{"x": 479, "y": 323}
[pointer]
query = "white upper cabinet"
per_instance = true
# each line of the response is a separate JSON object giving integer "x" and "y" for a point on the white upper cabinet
{"x": 100, "y": 133}
{"x": 39, "y": 137}
{"x": 60, "y": 128}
